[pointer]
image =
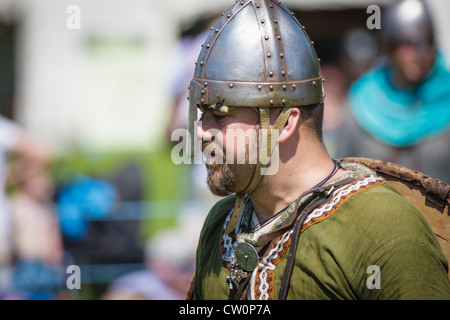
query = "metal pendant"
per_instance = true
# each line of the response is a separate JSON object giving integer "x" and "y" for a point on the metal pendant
{"x": 246, "y": 256}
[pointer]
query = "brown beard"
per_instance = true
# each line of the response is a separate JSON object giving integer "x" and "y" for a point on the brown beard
{"x": 220, "y": 179}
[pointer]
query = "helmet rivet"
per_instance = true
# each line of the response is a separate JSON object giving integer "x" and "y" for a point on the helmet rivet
{"x": 228, "y": 15}
{"x": 201, "y": 63}
{"x": 312, "y": 42}
{"x": 206, "y": 84}
{"x": 260, "y": 87}
{"x": 294, "y": 86}
{"x": 271, "y": 88}
{"x": 270, "y": 74}
{"x": 266, "y": 37}
{"x": 269, "y": 55}
{"x": 282, "y": 55}
{"x": 284, "y": 102}
{"x": 203, "y": 92}
{"x": 314, "y": 84}
{"x": 283, "y": 73}
{"x": 284, "y": 88}
{"x": 258, "y": 6}
{"x": 208, "y": 46}
{"x": 217, "y": 30}
{"x": 242, "y": 2}
{"x": 271, "y": 102}
{"x": 231, "y": 86}
{"x": 276, "y": 21}
{"x": 202, "y": 101}
{"x": 262, "y": 20}
{"x": 279, "y": 37}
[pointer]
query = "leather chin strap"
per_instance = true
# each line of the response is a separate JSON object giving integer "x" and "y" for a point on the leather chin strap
{"x": 266, "y": 150}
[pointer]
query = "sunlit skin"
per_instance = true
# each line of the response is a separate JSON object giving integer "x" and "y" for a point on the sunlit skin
{"x": 303, "y": 159}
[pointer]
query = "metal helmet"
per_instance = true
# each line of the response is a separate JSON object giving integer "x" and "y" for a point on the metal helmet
{"x": 407, "y": 21}
{"x": 258, "y": 55}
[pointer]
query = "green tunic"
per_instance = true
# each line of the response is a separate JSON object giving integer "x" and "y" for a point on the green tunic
{"x": 369, "y": 243}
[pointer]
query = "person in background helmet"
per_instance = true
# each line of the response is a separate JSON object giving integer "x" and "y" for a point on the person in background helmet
{"x": 402, "y": 105}
{"x": 294, "y": 223}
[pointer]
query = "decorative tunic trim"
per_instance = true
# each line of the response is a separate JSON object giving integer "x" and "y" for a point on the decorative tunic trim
{"x": 339, "y": 197}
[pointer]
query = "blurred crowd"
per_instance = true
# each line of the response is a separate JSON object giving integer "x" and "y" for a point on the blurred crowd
{"x": 392, "y": 104}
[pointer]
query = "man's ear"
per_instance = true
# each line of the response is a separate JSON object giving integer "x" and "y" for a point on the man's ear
{"x": 291, "y": 125}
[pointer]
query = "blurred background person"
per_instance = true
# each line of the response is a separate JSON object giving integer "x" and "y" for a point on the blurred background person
{"x": 100, "y": 218}
{"x": 402, "y": 106}
{"x": 37, "y": 246}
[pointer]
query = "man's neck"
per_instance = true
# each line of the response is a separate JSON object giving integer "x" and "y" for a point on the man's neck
{"x": 294, "y": 178}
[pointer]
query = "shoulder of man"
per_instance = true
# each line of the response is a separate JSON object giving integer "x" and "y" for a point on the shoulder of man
{"x": 385, "y": 205}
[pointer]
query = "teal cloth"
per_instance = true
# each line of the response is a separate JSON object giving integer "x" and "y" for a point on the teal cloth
{"x": 402, "y": 118}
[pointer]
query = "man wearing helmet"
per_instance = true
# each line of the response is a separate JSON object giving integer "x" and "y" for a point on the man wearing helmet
{"x": 310, "y": 228}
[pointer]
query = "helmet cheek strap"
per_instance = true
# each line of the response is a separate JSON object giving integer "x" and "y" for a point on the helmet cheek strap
{"x": 266, "y": 150}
